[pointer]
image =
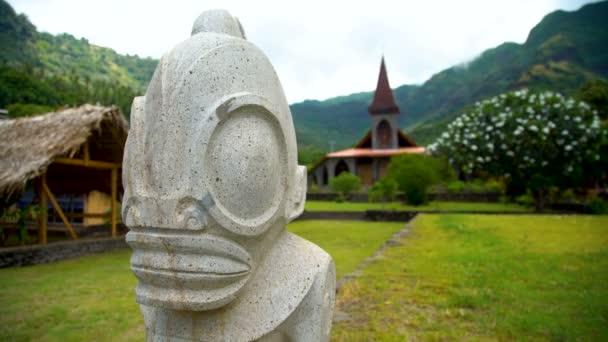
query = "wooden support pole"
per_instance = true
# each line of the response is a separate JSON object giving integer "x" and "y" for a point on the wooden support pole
{"x": 87, "y": 156}
{"x": 114, "y": 180}
{"x": 59, "y": 211}
{"x": 43, "y": 217}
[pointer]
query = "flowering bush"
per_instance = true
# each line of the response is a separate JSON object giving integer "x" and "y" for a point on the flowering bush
{"x": 535, "y": 139}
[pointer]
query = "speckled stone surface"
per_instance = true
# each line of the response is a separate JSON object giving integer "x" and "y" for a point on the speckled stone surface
{"x": 211, "y": 179}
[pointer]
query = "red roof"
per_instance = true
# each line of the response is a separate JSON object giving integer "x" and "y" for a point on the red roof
{"x": 366, "y": 152}
{"x": 384, "y": 102}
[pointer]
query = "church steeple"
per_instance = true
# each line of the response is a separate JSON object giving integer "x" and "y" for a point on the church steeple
{"x": 384, "y": 102}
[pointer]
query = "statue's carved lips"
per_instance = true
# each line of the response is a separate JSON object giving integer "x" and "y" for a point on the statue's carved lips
{"x": 191, "y": 259}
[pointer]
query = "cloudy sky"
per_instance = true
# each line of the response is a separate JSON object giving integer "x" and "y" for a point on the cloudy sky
{"x": 320, "y": 49}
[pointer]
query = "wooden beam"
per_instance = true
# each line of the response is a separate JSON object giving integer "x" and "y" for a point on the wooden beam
{"x": 59, "y": 211}
{"x": 91, "y": 163}
{"x": 87, "y": 215}
{"x": 114, "y": 180}
{"x": 87, "y": 156}
{"x": 43, "y": 217}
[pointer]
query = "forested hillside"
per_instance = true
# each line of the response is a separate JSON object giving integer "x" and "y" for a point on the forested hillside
{"x": 43, "y": 71}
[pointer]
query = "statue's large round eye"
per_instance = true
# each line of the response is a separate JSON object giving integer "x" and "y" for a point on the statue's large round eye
{"x": 245, "y": 164}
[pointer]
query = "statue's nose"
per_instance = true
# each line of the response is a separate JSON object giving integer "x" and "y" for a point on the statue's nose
{"x": 187, "y": 213}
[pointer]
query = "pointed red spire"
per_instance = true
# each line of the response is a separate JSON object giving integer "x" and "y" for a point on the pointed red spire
{"x": 384, "y": 102}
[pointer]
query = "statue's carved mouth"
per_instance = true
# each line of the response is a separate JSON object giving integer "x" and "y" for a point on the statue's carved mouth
{"x": 167, "y": 261}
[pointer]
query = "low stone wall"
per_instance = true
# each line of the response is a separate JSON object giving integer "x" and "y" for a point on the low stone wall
{"x": 462, "y": 197}
{"x": 331, "y": 196}
{"x": 332, "y": 215}
{"x": 369, "y": 215}
{"x": 37, "y": 254}
{"x": 467, "y": 197}
{"x": 388, "y": 215}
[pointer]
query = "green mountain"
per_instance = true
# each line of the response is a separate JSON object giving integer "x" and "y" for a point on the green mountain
{"x": 56, "y": 70}
{"x": 563, "y": 52}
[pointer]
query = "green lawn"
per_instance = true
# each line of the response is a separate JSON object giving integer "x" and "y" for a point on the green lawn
{"x": 348, "y": 242}
{"x": 444, "y": 206}
{"x": 485, "y": 277}
{"x": 92, "y": 298}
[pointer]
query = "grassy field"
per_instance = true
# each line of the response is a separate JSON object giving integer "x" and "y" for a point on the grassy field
{"x": 432, "y": 206}
{"x": 92, "y": 298}
{"x": 485, "y": 277}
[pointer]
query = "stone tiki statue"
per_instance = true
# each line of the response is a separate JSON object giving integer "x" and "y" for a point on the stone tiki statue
{"x": 211, "y": 179}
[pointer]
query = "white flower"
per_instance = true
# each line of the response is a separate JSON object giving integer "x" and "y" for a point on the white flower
{"x": 568, "y": 147}
{"x": 480, "y": 159}
{"x": 490, "y": 146}
{"x": 533, "y": 128}
{"x": 546, "y": 130}
{"x": 510, "y": 153}
{"x": 474, "y": 147}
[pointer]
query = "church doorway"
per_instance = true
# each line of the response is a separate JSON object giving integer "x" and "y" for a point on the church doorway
{"x": 341, "y": 167}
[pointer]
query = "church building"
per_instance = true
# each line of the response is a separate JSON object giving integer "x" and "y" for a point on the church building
{"x": 370, "y": 158}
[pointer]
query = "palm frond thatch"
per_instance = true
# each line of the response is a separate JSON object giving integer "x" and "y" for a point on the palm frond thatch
{"x": 29, "y": 145}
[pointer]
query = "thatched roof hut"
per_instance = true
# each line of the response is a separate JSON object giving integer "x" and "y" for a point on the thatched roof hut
{"x": 29, "y": 145}
{"x": 73, "y": 151}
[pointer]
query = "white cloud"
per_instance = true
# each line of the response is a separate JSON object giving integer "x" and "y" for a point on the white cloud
{"x": 320, "y": 49}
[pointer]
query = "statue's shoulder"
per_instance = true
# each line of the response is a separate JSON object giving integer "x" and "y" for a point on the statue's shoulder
{"x": 306, "y": 252}
{"x": 311, "y": 318}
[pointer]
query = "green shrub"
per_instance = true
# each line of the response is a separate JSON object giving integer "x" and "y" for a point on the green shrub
{"x": 598, "y": 206}
{"x": 18, "y": 110}
{"x": 314, "y": 188}
{"x": 384, "y": 190}
{"x": 494, "y": 186}
{"x": 477, "y": 186}
{"x": 456, "y": 187}
{"x": 345, "y": 184}
{"x": 414, "y": 174}
{"x": 526, "y": 199}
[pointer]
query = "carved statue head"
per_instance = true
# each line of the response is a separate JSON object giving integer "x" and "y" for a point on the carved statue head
{"x": 210, "y": 169}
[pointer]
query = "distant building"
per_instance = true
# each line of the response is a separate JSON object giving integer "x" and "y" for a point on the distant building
{"x": 370, "y": 158}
